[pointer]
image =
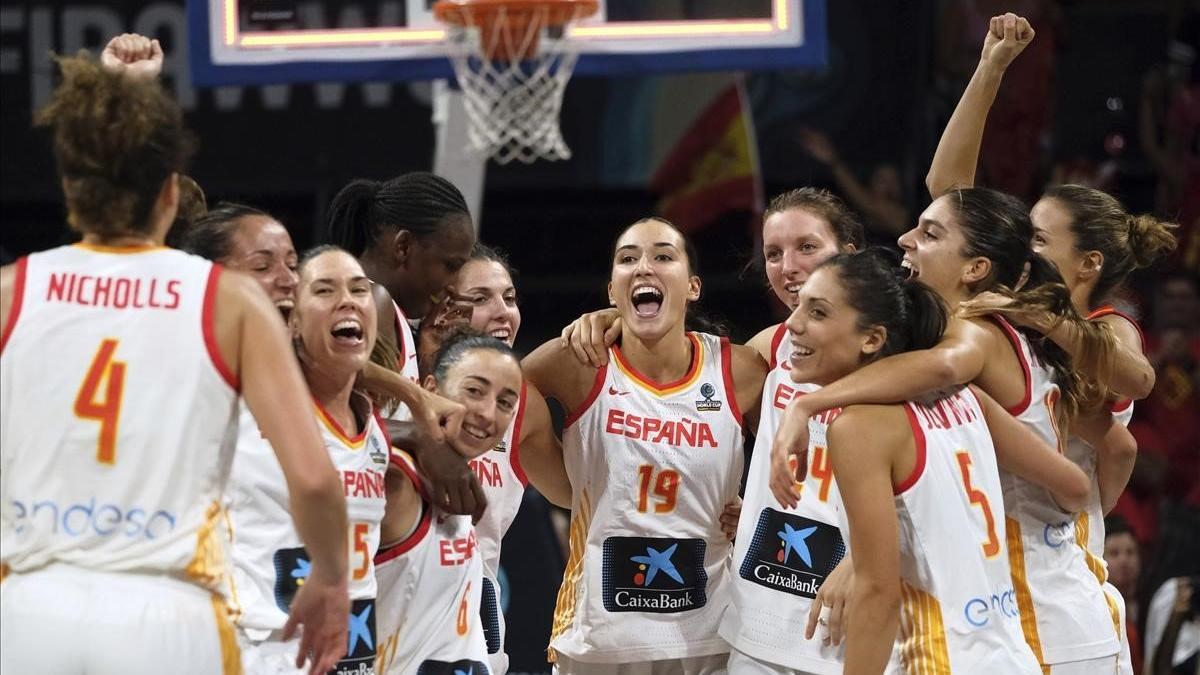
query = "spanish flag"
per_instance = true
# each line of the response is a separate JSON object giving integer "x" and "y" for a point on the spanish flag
{"x": 713, "y": 169}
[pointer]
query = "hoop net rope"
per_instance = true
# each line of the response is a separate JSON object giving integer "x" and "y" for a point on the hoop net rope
{"x": 513, "y": 105}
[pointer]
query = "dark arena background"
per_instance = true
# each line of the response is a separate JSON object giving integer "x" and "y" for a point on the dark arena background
{"x": 1105, "y": 87}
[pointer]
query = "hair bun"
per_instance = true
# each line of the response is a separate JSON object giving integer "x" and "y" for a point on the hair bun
{"x": 1150, "y": 239}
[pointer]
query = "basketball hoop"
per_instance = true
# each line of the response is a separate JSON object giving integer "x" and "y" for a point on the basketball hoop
{"x": 513, "y": 59}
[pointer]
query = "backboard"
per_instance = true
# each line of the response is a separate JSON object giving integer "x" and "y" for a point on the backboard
{"x": 275, "y": 41}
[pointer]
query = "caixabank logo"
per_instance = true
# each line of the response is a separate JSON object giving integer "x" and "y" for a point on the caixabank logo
{"x": 360, "y": 653}
{"x": 292, "y": 568}
{"x": 791, "y": 553}
{"x": 652, "y": 574}
{"x": 463, "y": 667}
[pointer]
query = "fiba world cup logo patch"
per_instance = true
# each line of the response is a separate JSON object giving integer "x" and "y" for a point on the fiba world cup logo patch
{"x": 651, "y": 574}
{"x": 791, "y": 553}
{"x": 463, "y": 667}
{"x": 709, "y": 404}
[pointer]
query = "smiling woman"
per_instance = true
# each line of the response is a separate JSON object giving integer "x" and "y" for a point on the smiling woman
{"x": 333, "y": 331}
{"x": 429, "y": 571}
{"x": 646, "y": 501}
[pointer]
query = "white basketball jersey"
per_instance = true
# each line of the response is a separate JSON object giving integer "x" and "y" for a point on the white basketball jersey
{"x": 781, "y": 556}
{"x": 270, "y": 562}
{"x": 503, "y": 481}
{"x": 958, "y": 606}
{"x": 652, "y": 465}
{"x": 117, "y": 414}
{"x": 429, "y": 590}
{"x": 1065, "y": 614}
{"x": 1089, "y": 525}
{"x": 406, "y": 363}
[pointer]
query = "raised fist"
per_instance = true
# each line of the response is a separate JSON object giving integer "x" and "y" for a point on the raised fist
{"x": 133, "y": 55}
{"x": 1007, "y": 36}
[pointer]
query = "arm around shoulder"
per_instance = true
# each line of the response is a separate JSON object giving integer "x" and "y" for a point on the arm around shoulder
{"x": 541, "y": 457}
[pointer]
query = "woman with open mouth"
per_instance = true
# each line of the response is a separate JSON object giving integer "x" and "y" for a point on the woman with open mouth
{"x": 966, "y": 242}
{"x": 333, "y": 331}
{"x": 919, "y": 482}
{"x": 430, "y": 558}
{"x": 653, "y": 449}
{"x": 1095, "y": 244}
{"x": 801, "y": 229}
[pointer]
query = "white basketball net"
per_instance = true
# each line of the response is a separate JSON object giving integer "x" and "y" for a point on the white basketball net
{"x": 513, "y": 106}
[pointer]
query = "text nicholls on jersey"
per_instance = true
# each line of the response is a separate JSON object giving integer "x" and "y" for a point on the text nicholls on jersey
{"x": 113, "y": 292}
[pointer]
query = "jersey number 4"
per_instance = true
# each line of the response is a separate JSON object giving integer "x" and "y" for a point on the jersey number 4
{"x": 106, "y": 410}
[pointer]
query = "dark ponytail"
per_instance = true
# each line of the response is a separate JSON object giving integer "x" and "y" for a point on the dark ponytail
{"x": 912, "y": 313}
{"x": 419, "y": 202}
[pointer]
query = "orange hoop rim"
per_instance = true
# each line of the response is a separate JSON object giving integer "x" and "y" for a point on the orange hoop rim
{"x": 473, "y": 12}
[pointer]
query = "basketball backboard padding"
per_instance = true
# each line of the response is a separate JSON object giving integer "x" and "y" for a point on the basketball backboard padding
{"x": 792, "y": 37}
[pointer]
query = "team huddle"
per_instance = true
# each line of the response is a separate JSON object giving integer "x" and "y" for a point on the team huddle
{"x": 224, "y": 456}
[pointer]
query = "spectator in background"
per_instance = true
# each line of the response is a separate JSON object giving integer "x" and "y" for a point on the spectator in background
{"x": 1173, "y": 628}
{"x": 1124, "y": 561}
{"x": 880, "y": 202}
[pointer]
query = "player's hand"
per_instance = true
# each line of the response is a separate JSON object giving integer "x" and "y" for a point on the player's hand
{"x": 729, "y": 518}
{"x": 590, "y": 335}
{"x": 818, "y": 145}
{"x": 440, "y": 417}
{"x": 320, "y": 610}
{"x": 453, "y": 486}
{"x": 1008, "y": 35}
{"x": 789, "y": 454}
{"x": 133, "y": 55}
{"x": 444, "y": 319}
{"x": 833, "y": 596}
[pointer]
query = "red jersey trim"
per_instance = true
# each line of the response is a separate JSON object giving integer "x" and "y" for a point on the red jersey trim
{"x": 597, "y": 386}
{"x": 18, "y": 299}
{"x": 355, "y": 442}
{"x": 919, "y": 440}
{"x": 692, "y": 374}
{"x": 208, "y": 327}
{"x": 397, "y": 550}
{"x": 120, "y": 250}
{"x": 1015, "y": 340}
{"x": 1109, "y": 310}
{"x": 400, "y": 317}
{"x": 727, "y": 375}
{"x": 776, "y": 340}
{"x": 514, "y": 453}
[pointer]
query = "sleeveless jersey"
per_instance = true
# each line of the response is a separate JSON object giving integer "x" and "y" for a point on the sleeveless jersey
{"x": 406, "y": 363}
{"x": 503, "y": 481}
{"x": 1089, "y": 525}
{"x": 429, "y": 594}
{"x": 774, "y": 581}
{"x": 1064, "y": 612}
{"x": 270, "y": 562}
{"x": 652, "y": 465}
{"x": 958, "y": 608}
{"x": 101, "y": 469}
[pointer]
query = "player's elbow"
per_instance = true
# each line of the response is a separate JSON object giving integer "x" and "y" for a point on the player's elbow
{"x": 1074, "y": 491}
{"x": 314, "y": 486}
{"x": 877, "y": 596}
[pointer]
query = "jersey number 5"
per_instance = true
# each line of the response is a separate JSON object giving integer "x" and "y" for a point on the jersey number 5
{"x": 106, "y": 411}
{"x": 992, "y": 546}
